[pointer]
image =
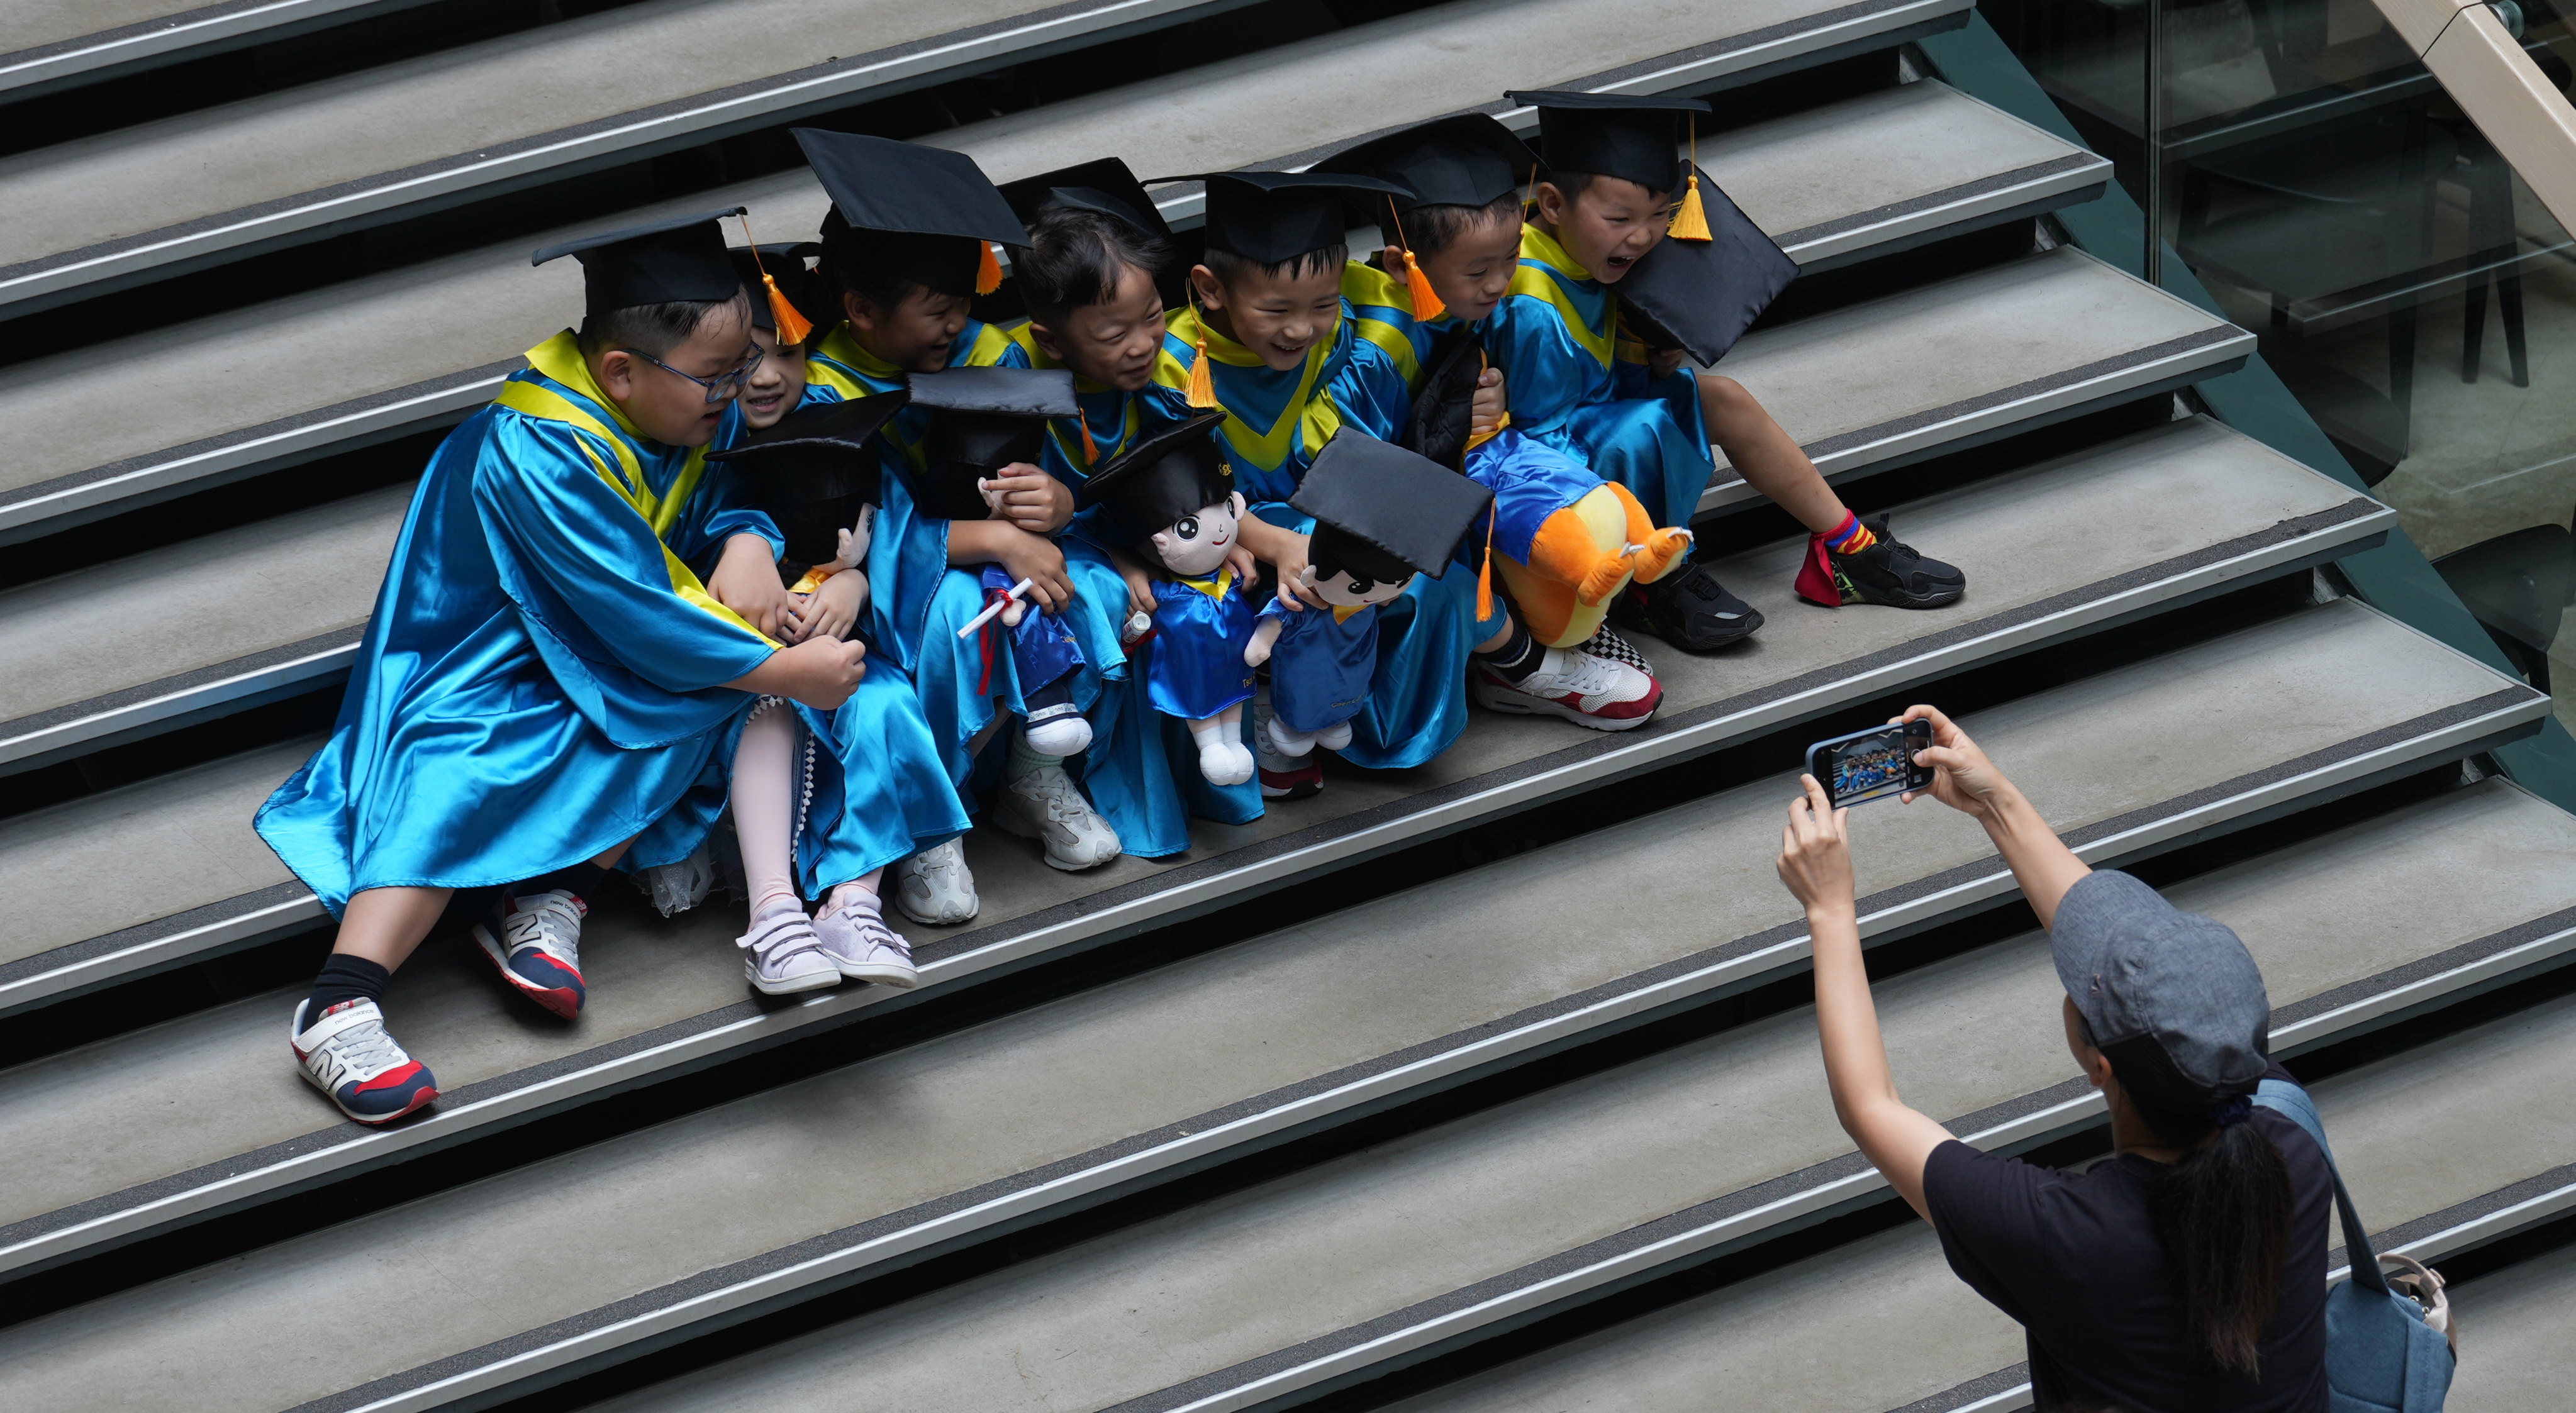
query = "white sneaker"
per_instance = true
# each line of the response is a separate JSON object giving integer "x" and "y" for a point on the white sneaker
{"x": 783, "y": 954}
{"x": 534, "y": 941}
{"x": 1573, "y": 684}
{"x": 935, "y": 888}
{"x": 348, "y": 1055}
{"x": 1044, "y": 805}
{"x": 862, "y": 947}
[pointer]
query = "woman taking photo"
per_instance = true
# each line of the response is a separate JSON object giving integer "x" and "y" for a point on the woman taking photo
{"x": 2187, "y": 1272}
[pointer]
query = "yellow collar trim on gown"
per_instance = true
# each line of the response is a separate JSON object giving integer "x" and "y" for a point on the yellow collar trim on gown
{"x": 1538, "y": 245}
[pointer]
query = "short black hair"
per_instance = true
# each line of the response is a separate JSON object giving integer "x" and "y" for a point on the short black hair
{"x": 1428, "y": 230}
{"x": 1076, "y": 258}
{"x": 1231, "y": 269}
{"x": 846, "y": 269}
{"x": 653, "y": 329}
{"x": 1574, "y": 184}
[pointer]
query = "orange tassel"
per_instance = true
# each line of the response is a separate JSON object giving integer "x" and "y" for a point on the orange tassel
{"x": 1690, "y": 219}
{"x": 988, "y": 274}
{"x": 1417, "y": 285}
{"x": 1485, "y": 571}
{"x": 791, "y": 326}
{"x": 1090, "y": 448}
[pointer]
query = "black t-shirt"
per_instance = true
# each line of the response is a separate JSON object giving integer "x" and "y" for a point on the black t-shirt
{"x": 2076, "y": 1260}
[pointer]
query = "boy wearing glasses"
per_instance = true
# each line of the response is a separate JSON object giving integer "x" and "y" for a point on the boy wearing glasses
{"x": 544, "y": 676}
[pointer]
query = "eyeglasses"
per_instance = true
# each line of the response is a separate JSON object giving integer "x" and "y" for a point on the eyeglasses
{"x": 723, "y": 387}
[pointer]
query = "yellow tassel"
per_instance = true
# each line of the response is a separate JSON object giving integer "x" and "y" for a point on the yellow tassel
{"x": 1690, "y": 219}
{"x": 988, "y": 274}
{"x": 792, "y": 328}
{"x": 1485, "y": 571}
{"x": 1202, "y": 389}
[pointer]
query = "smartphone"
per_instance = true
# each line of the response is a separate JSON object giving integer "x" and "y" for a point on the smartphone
{"x": 1871, "y": 764}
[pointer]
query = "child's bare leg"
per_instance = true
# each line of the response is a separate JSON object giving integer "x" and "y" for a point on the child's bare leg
{"x": 1766, "y": 456}
{"x": 384, "y": 925}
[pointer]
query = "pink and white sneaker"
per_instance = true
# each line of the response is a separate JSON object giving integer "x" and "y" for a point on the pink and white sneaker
{"x": 1571, "y": 683}
{"x": 348, "y": 1055}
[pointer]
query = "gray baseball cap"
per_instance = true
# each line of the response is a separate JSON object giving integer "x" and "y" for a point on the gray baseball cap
{"x": 2173, "y": 998}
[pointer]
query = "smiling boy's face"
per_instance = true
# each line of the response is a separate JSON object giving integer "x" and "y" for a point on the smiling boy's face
{"x": 1609, "y": 227}
{"x": 1472, "y": 273}
{"x": 776, "y": 386}
{"x": 1278, "y": 317}
{"x": 1112, "y": 343}
{"x": 914, "y": 335}
{"x": 670, "y": 409}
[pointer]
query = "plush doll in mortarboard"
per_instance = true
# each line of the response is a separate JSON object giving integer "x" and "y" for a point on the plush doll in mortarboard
{"x": 819, "y": 473}
{"x": 1172, "y": 495}
{"x": 1382, "y": 515}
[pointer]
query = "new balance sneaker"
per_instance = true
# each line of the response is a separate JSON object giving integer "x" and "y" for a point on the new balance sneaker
{"x": 1586, "y": 690}
{"x": 348, "y": 1055}
{"x": 1689, "y": 610}
{"x": 1889, "y": 572}
{"x": 1045, "y": 805}
{"x": 535, "y": 943}
{"x": 935, "y": 888}
{"x": 782, "y": 955}
{"x": 862, "y": 947}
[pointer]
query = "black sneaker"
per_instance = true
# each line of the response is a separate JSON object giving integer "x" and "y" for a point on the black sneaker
{"x": 1688, "y": 610}
{"x": 1890, "y": 572}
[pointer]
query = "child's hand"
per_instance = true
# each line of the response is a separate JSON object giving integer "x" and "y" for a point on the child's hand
{"x": 1140, "y": 585}
{"x": 1485, "y": 411}
{"x": 1239, "y": 560}
{"x": 1289, "y": 558}
{"x": 746, "y": 581}
{"x": 1662, "y": 361}
{"x": 820, "y": 673}
{"x": 1029, "y": 499}
{"x": 1036, "y": 559}
{"x": 830, "y": 611}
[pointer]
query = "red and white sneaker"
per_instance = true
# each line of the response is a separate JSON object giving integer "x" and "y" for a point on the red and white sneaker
{"x": 347, "y": 1054}
{"x": 535, "y": 943}
{"x": 1571, "y": 683}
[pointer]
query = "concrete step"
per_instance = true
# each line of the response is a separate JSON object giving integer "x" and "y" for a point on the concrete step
{"x": 188, "y": 191}
{"x": 1895, "y": 380}
{"x": 53, "y": 44}
{"x": 1934, "y": 1347}
{"x": 2206, "y": 509}
{"x": 788, "y": 1193}
{"x": 1908, "y": 164}
{"x": 1280, "y": 1293}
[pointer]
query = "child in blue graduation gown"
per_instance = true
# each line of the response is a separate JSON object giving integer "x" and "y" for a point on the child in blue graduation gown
{"x": 910, "y": 239}
{"x": 545, "y": 678}
{"x": 1091, "y": 281}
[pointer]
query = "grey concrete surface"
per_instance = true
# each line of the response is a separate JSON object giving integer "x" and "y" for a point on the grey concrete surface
{"x": 140, "y": 852}
{"x": 1122, "y": 1316}
{"x": 977, "y": 1105}
{"x": 50, "y": 45}
{"x": 1869, "y": 382}
{"x": 197, "y": 604}
{"x": 26, "y": 24}
{"x": 272, "y": 381}
{"x": 2518, "y": 1337}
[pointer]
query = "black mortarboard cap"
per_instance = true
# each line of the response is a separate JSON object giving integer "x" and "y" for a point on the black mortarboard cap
{"x": 1175, "y": 470}
{"x": 1465, "y": 159}
{"x": 786, "y": 265}
{"x": 1382, "y": 512}
{"x": 918, "y": 212}
{"x": 659, "y": 262}
{"x": 982, "y": 419}
{"x": 1630, "y": 136}
{"x": 1105, "y": 187}
{"x": 1274, "y": 217}
{"x": 1700, "y": 296}
{"x": 1437, "y": 425}
{"x": 815, "y": 468}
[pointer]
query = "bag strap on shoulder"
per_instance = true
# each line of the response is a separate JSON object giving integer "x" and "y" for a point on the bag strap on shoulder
{"x": 2293, "y": 1103}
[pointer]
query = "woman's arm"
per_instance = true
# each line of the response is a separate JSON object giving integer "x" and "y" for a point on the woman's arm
{"x": 1967, "y": 782}
{"x": 1815, "y": 861}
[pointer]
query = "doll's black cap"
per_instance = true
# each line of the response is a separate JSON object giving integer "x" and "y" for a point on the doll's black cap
{"x": 786, "y": 265}
{"x": 1175, "y": 470}
{"x": 982, "y": 419}
{"x": 1382, "y": 512}
{"x": 915, "y": 212}
{"x": 1622, "y": 135}
{"x": 815, "y": 468}
{"x": 1105, "y": 187}
{"x": 1465, "y": 159}
{"x": 659, "y": 262}
{"x": 1700, "y": 296}
{"x": 1274, "y": 217}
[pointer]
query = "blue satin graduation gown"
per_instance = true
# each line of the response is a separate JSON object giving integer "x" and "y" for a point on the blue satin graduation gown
{"x": 1322, "y": 664}
{"x": 1142, "y": 771}
{"x": 1195, "y": 660}
{"x": 541, "y": 677}
{"x": 1579, "y": 384}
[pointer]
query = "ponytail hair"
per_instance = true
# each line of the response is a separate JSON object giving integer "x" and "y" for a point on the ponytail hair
{"x": 2223, "y": 1214}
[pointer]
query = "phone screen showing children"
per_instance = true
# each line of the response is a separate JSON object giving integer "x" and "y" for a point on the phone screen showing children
{"x": 1869, "y": 765}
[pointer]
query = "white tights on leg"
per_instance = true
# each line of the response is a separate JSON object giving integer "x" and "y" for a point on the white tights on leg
{"x": 764, "y": 807}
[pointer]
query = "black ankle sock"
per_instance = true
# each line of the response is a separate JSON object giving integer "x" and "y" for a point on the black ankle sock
{"x": 582, "y": 880}
{"x": 1518, "y": 657}
{"x": 345, "y": 978}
